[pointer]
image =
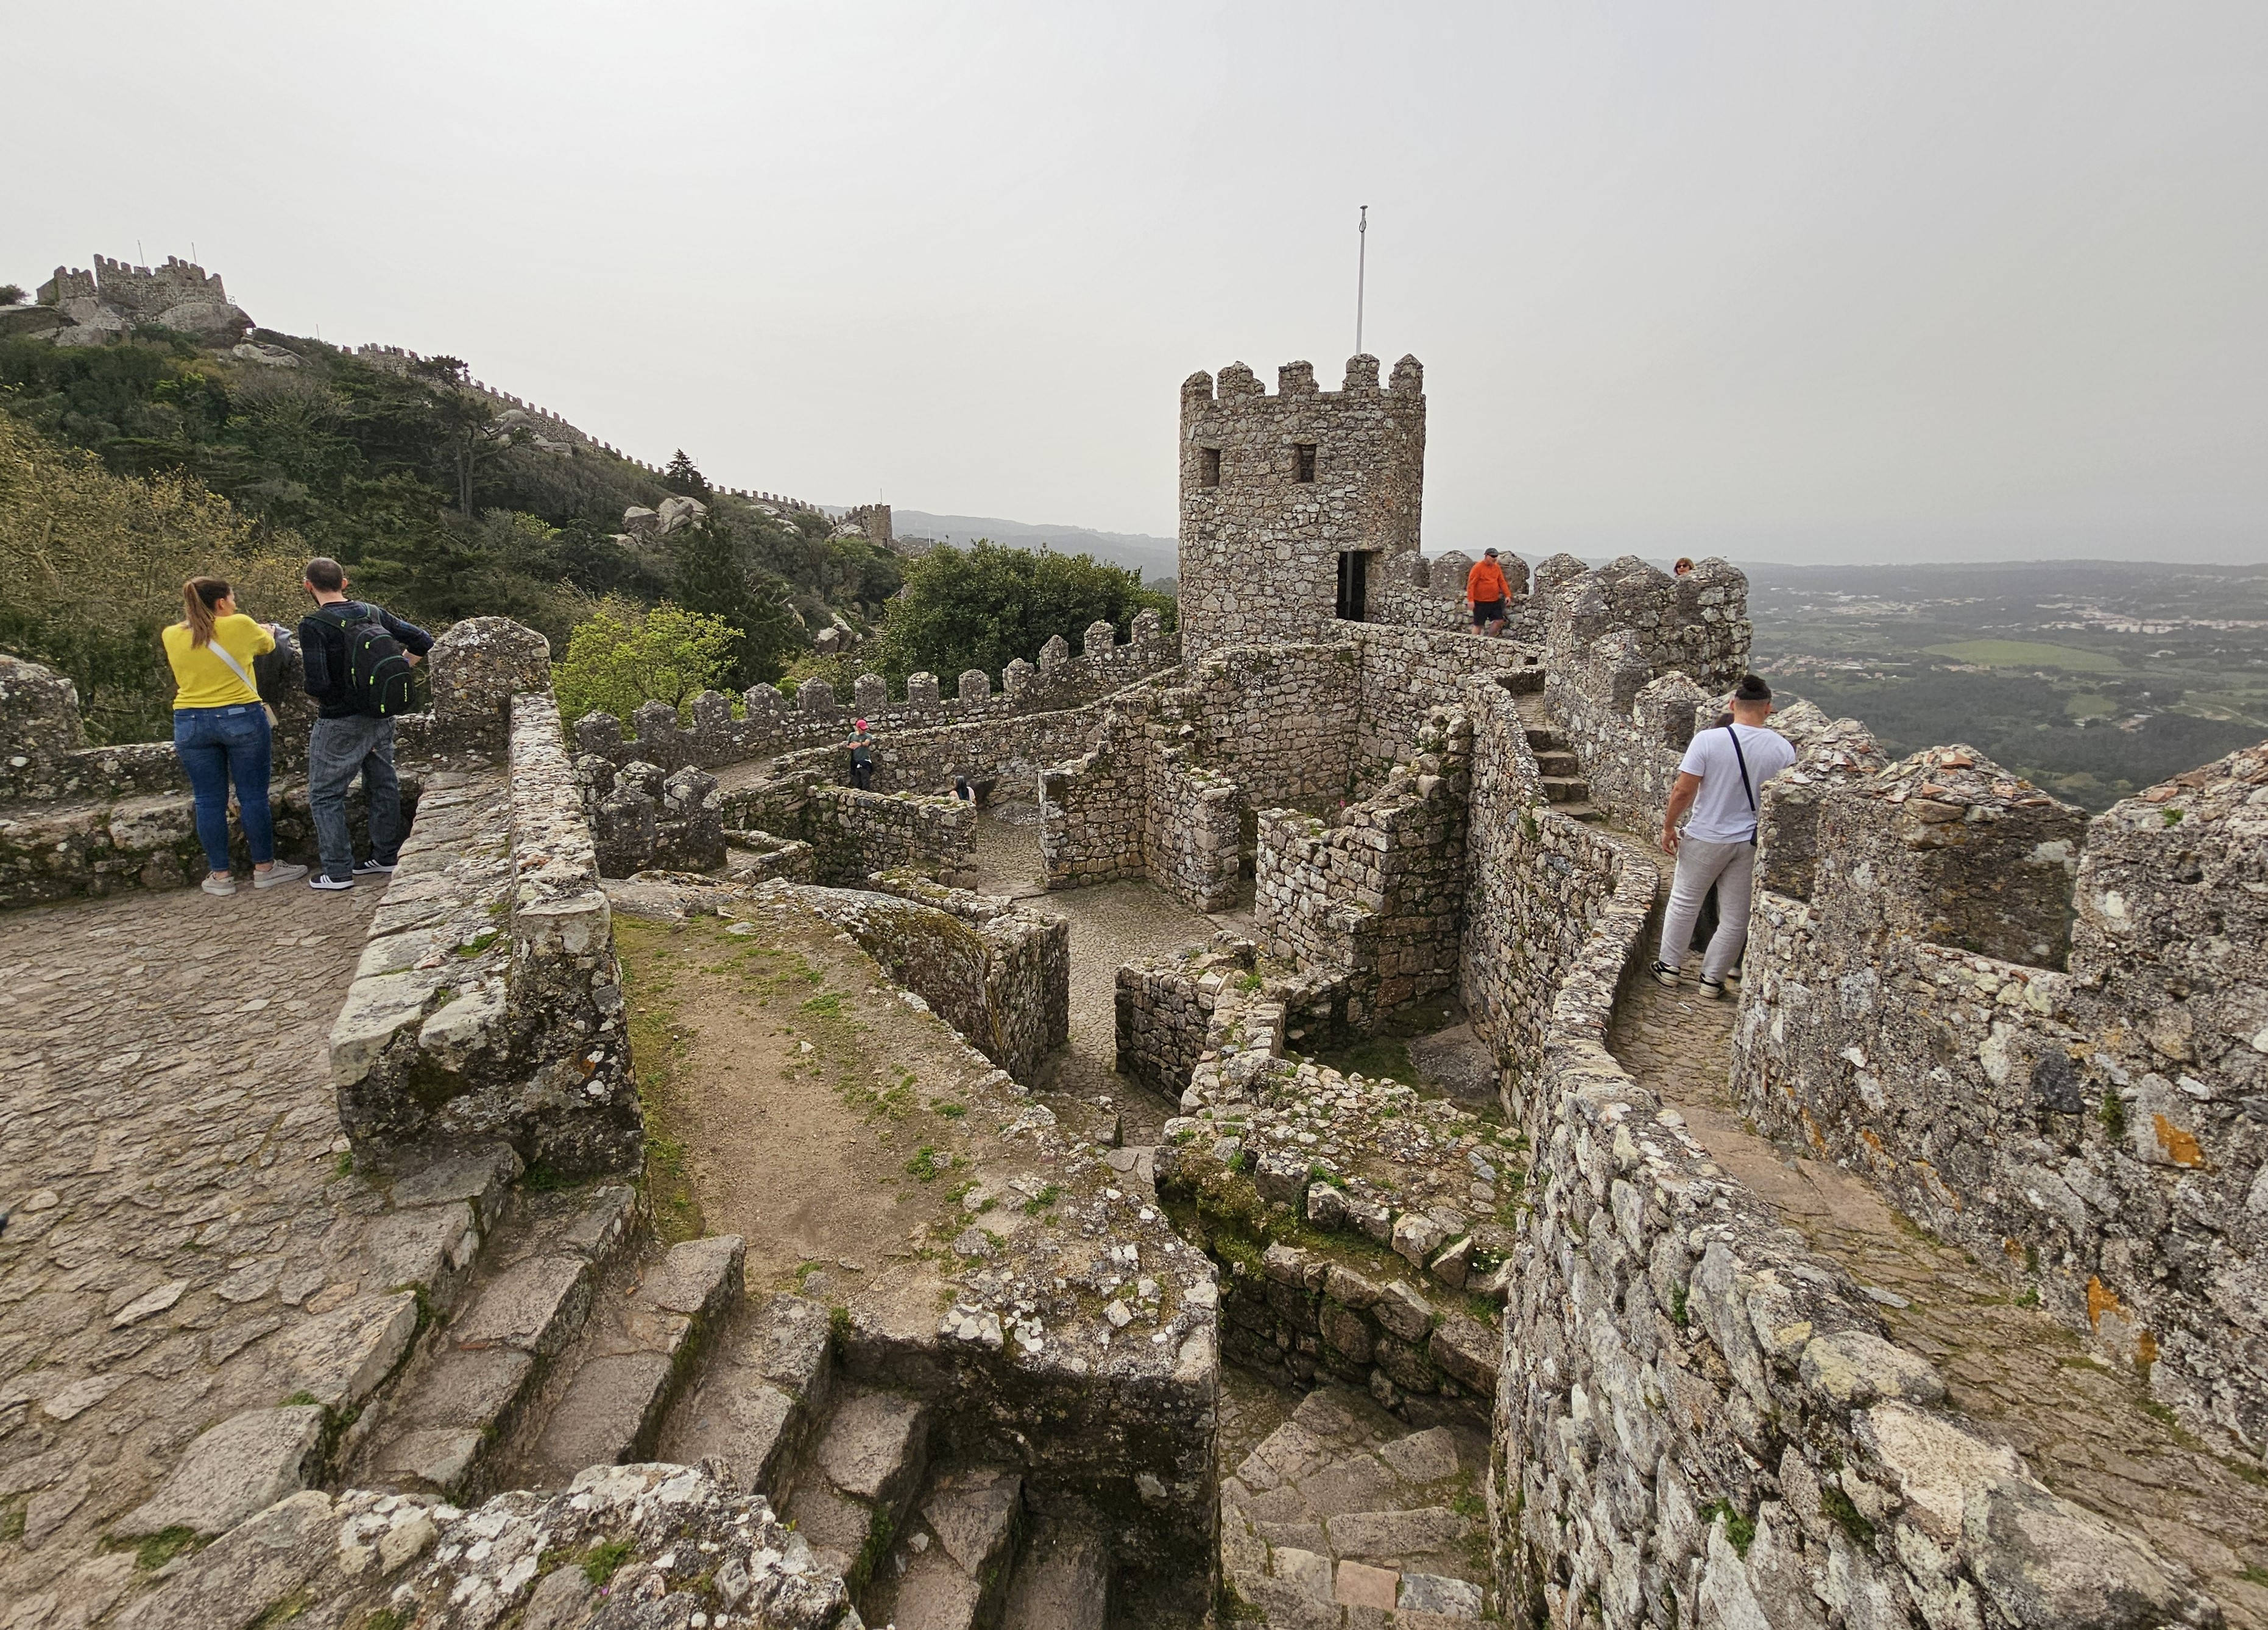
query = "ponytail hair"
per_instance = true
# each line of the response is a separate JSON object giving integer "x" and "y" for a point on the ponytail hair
{"x": 199, "y": 596}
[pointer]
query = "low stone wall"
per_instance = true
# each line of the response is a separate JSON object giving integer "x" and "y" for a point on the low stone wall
{"x": 489, "y": 1001}
{"x": 1416, "y": 590}
{"x": 64, "y": 851}
{"x": 641, "y": 819}
{"x": 1700, "y": 1420}
{"x": 1173, "y": 1012}
{"x": 853, "y": 834}
{"x": 770, "y": 724}
{"x": 1000, "y": 976}
{"x": 1375, "y": 897}
{"x": 2102, "y": 1131}
{"x": 1267, "y": 1144}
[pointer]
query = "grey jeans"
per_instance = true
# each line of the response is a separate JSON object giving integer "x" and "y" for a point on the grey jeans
{"x": 1732, "y": 867}
{"x": 340, "y": 750}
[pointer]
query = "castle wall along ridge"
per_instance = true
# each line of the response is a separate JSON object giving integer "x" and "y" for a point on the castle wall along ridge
{"x": 1565, "y": 1273}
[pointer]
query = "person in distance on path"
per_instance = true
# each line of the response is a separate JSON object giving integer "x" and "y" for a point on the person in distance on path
{"x": 862, "y": 757}
{"x": 1486, "y": 592}
{"x": 1720, "y": 780}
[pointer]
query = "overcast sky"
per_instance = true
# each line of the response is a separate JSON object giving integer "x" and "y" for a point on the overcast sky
{"x": 1802, "y": 281}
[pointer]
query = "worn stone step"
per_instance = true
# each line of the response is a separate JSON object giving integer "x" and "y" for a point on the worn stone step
{"x": 1062, "y": 1581}
{"x": 1545, "y": 740}
{"x": 463, "y": 1398}
{"x": 607, "y": 1397}
{"x": 1558, "y": 761}
{"x": 1566, "y": 788}
{"x": 1584, "y": 811}
{"x": 752, "y": 1414}
{"x": 861, "y": 1480}
{"x": 950, "y": 1569}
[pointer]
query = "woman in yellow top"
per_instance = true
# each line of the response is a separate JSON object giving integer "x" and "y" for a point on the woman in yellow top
{"x": 220, "y": 728}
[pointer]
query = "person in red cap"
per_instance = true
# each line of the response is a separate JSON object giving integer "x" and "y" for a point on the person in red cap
{"x": 862, "y": 757}
{"x": 1486, "y": 592}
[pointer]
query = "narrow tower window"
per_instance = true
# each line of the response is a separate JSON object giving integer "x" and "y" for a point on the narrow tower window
{"x": 1303, "y": 461}
{"x": 1208, "y": 466}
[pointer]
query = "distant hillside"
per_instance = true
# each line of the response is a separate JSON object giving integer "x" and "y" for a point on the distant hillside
{"x": 1154, "y": 558}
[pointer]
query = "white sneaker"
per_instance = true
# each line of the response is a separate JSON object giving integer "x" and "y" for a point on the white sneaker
{"x": 222, "y": 887}
{"x": 1712, "y": 989}
{"x": 324, "y": 880}
{"x": 1664, "y": 974}
{"x": 282, "y": 871}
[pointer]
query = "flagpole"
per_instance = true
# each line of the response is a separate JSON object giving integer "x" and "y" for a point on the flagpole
{"x": 1361, "y": 271}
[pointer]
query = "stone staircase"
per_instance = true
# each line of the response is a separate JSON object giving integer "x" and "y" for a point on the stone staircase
{"x": 563, "y": 1350}
{"x": 1563, "y": 775}
{"x": 926, "y": 1543}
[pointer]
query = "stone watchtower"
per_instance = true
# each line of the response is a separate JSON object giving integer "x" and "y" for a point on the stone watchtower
{"x": 1287, "y": 499}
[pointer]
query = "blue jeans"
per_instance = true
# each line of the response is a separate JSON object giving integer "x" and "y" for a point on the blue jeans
{"x": 218, "y": 746}
{"x": 340, "y": 750}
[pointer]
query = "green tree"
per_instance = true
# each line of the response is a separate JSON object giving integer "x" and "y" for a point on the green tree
{"x": 91, "y": 566}
{"x": 686, "y": 480}
{"x": 623, "y": 658}
{"x": 986, "y": 606}
{"x": 12, "y": 294}
{"x": 712, "y": 573}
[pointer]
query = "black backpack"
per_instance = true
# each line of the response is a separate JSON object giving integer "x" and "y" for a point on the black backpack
{"x": 379, "y": 670}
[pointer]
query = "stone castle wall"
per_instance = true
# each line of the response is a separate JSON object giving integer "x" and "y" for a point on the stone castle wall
{"x": 2095, "y": 1117}
{"x": 1275, "y": 488}
{"x": 1701, "y": 1421}
{"x": 998, "y": 974}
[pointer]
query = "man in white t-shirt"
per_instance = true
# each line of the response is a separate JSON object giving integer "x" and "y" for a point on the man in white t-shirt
{"x": 1721, "y": 781}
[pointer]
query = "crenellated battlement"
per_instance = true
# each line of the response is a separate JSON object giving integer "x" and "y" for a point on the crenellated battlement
{"x": 770, "y": 724}
{"x": 1636, "y": 660}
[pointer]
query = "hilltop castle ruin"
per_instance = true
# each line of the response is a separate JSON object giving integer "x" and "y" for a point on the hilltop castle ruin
{"x": 1551, "y": 1334}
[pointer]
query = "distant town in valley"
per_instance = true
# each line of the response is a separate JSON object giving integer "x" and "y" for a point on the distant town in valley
{"x": 2093, "y": 679}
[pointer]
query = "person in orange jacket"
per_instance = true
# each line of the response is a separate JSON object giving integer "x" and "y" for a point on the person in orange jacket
{"x": 1486, "y": 592}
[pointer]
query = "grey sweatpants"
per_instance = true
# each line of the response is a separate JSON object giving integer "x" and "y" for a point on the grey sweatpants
{"x": 340, "y": 750}
{"x": 1732, "y": 867}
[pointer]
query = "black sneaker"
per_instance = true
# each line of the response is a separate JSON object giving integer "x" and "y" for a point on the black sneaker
{"x": 324, "y": 881}
{"x": 1711, "y": 988}
{"x": 1664, "y": 974}
{"x": 374, "y": 868}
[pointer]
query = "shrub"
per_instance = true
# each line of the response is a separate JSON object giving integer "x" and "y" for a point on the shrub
{"x": 623, "y": 658}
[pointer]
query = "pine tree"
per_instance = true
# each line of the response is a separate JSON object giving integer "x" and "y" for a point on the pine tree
{"x": 681, "y": 477}
{"x": 712, "y": 573}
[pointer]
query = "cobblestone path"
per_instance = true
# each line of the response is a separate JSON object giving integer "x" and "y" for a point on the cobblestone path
{"x": 2090, "y": 1430}
{"x": 1111, "y": 923}
{"x": 169, "y": 1159}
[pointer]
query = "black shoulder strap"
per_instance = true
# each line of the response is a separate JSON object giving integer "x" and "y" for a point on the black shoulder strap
{"x": 1743, "y": 759}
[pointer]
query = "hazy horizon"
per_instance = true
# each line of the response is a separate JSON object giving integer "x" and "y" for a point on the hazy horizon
{"x": 1882, "y": 283}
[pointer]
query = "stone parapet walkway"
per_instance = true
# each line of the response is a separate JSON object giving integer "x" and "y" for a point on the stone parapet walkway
{"x": 2090, "y": 1432}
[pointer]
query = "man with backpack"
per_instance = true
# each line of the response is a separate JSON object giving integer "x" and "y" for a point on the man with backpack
{"x": 1719, "y": 780}
{"x": 359, "y": 659}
